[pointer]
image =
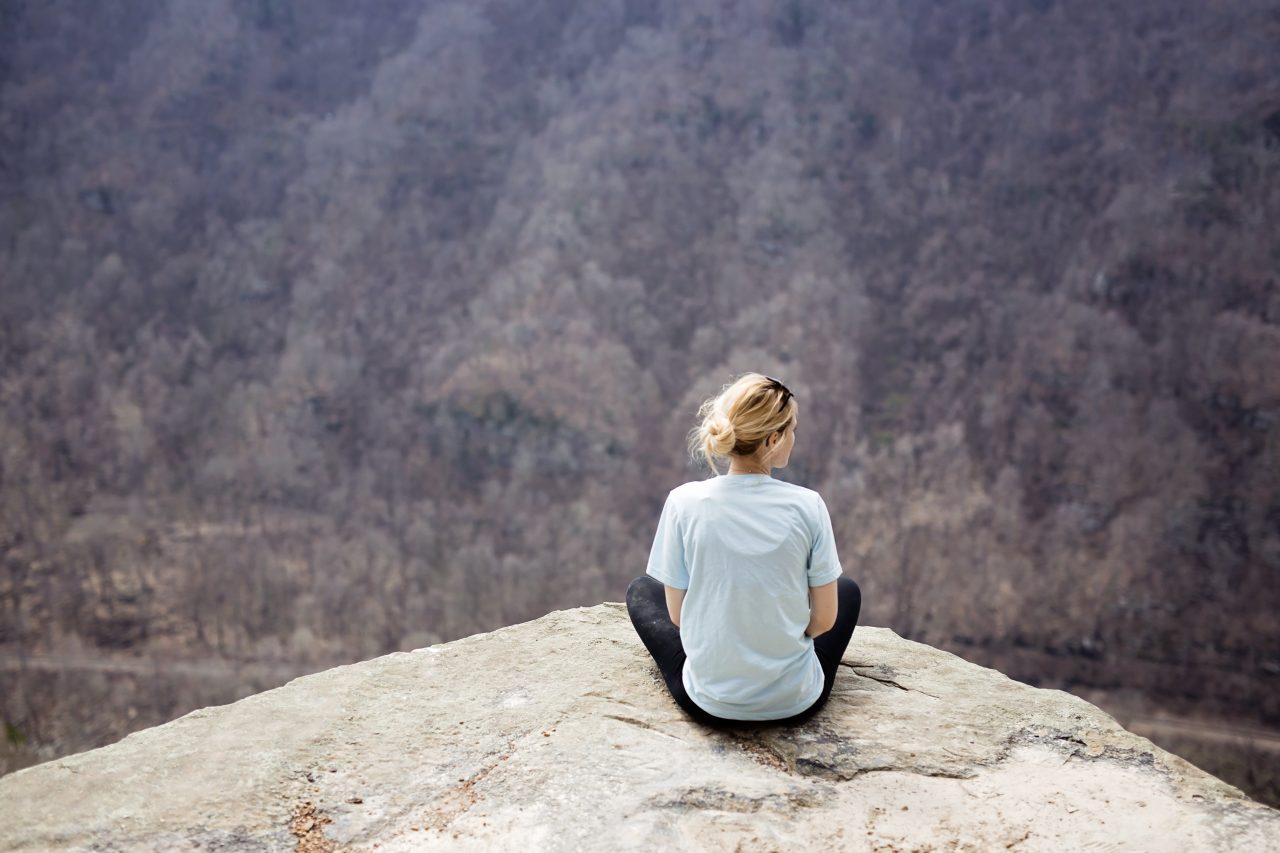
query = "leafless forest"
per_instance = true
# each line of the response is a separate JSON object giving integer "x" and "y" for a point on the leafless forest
{"x": 331, "y": 329}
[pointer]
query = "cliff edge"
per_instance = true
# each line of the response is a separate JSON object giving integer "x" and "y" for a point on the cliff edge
{"x": 557, "y": 734}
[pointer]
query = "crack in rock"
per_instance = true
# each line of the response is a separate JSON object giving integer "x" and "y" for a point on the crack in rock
{"x": 710, "y": 797}
{"x": 869, "y": 671}
{"x": 640, "y": 724}
{"x": 461, "y": 797}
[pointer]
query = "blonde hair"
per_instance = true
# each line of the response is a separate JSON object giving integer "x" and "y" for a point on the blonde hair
{"x": 738, "y": 419}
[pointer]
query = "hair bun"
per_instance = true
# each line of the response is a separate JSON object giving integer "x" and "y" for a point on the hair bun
{"x": 720, "y": 434}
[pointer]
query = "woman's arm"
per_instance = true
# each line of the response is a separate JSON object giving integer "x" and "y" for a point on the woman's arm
{"x": 823, "y": 604}
{"x": 675, "y": 599}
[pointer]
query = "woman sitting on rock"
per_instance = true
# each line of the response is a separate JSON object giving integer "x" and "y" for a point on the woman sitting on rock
{"x": 743, "y": 605}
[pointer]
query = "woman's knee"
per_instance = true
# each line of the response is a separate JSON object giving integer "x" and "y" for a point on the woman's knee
{"x": 641, "y": 588}
{"x": 849, "y": 593}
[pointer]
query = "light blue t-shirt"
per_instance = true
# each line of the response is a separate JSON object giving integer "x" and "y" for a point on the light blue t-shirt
{"x": 747, "y": 548}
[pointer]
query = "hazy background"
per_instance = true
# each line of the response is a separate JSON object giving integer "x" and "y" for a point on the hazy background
{"x": 333, "y": 329}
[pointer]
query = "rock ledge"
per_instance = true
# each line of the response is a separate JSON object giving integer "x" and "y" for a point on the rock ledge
{"x": 557, "y": 734}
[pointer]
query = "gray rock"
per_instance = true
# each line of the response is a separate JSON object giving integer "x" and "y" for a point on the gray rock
{"x": 557, "y": 734}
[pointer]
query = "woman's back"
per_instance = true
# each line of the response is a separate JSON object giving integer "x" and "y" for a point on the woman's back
{"x": 747, "y": 548}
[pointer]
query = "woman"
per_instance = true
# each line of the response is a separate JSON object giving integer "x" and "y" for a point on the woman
{"x": 742, "y": 606}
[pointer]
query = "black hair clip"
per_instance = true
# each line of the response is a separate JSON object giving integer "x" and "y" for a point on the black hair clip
{"x": 786, "y": 392}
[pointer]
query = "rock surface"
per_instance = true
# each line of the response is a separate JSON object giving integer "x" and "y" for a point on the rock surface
{"x": 557, "y": 734}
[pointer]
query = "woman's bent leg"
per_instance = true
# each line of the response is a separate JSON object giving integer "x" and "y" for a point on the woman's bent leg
{"x": 830, "y": 646}
{"x": 647, "y": 606}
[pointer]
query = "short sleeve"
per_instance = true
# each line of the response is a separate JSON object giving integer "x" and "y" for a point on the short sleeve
{"x": 824, "y": 562}
{"x": 666, "y": 558}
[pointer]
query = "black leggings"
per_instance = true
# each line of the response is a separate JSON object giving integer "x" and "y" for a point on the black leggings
{"x": 647, "y": 604}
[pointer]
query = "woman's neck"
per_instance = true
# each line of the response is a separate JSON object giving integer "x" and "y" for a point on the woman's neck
{"x": 747, "y": 467}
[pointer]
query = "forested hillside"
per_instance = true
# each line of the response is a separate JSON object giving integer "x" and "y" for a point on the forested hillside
{"x": 332, "y": 329}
